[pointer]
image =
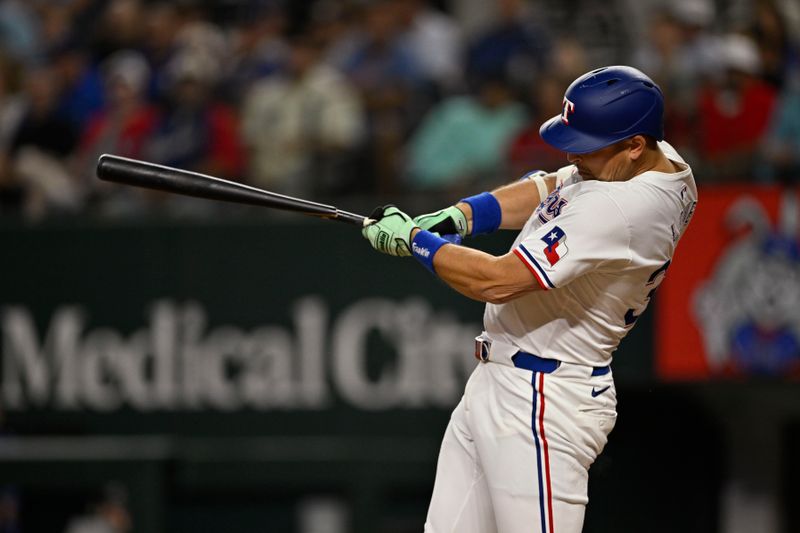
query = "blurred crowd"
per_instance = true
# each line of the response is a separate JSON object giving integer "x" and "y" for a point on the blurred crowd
{"x": 329, "y": 99}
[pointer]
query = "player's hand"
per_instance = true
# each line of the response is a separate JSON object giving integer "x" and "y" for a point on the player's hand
{"x": 450, "y": 221}
{"x": 391, "y": 231}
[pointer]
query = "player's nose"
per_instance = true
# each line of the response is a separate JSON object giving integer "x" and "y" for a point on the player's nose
{"x": 573, "y": 158}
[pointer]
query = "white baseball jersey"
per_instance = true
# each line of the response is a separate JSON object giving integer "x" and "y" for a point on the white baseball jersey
{"x": 598, "y": 249}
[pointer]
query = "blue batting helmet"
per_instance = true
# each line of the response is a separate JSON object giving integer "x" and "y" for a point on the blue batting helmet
{"x": 603, "y": 107}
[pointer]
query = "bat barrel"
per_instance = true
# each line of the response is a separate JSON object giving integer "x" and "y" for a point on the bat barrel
{"x": 143, "y": 174}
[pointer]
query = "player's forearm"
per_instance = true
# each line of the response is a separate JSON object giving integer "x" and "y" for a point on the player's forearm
{"x": 517, "y": 202}
{"x": 467, "y": 271}
{"x": 478, "y": 275}
{"x": 481, "y": 276}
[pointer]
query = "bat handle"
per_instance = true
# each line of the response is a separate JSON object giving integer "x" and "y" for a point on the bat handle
{"x": 351, "y": 218}
{"x": 362, "y": 221}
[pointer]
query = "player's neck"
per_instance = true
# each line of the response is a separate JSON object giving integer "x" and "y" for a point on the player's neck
{"x": 655, "y": 161}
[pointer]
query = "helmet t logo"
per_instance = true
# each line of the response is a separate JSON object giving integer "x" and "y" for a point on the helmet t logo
{"x": 569, "y": 107}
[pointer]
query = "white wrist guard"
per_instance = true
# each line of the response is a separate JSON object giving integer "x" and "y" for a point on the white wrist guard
{"x": 538, "y": 179}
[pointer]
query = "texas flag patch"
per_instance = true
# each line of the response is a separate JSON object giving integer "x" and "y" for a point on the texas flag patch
{"x": 555, "y": 245}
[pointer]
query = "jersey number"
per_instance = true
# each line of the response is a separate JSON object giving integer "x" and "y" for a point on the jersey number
{"x": 655, "y": 280}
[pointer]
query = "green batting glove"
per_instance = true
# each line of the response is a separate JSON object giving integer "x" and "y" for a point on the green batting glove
{"x": 449, "y": 221}
{"x": 391, "y": 231}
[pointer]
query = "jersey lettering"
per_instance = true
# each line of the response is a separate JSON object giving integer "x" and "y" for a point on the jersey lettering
{"x": 552, "y": 206}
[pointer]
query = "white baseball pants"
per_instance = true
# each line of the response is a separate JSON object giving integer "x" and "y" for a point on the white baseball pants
{"x": 516, "y": 454}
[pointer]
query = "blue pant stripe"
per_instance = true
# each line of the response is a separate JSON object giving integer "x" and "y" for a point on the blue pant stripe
{"x": 538, "y": 455}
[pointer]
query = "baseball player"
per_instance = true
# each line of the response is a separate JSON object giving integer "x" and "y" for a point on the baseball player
{"x": 596, "y": 239}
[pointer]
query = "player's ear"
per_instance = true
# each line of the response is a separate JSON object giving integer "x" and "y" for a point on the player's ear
{"x": 636, "y": 146}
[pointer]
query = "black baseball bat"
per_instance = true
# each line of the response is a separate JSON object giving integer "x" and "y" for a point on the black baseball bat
{"x": 175, "y": 180}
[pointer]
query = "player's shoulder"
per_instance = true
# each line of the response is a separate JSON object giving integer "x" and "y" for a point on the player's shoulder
{"x": 595, "y": 189}
{"x": 596, "y": 200}
{"x": 621, "y": 203}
